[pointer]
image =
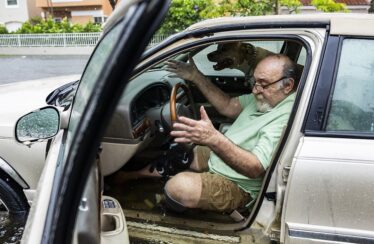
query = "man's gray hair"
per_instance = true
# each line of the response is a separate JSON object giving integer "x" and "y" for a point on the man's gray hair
{"x": 289, "y": 69}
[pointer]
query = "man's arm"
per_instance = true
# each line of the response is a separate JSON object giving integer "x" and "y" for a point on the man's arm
{"x": 203, "y": 132}
{"x": 242, "y": 161}
{"x": 224, "y": 104}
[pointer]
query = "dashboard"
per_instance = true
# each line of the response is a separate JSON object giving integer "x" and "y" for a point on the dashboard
{"x": 154, "y": 96}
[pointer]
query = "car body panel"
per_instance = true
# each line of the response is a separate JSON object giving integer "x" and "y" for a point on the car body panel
{"x": 25, "y": 96}
{"x": 320, "y": 199}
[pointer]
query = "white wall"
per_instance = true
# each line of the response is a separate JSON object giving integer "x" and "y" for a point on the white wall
{"x": 13, "y": 16}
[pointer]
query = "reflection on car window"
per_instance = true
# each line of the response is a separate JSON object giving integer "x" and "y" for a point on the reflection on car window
{"x": 90, "y": 76}
{"x": 352, "y": 107}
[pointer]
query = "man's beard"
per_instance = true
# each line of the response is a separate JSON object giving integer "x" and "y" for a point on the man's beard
{"x": 261, "y": 105}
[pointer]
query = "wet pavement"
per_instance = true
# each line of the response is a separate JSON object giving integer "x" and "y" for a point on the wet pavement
{"x": 21, "y": 68}
{"x": 11, "y": 227}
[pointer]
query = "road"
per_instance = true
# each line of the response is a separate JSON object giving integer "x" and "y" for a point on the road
{"x": 20, "y": 68}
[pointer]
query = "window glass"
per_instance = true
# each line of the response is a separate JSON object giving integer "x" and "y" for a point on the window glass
{"x": 206, "y": 67}
{"x": 86, "y": 87}
{"x": 302, "y": 57}
{"x": 12, "y": 2}
{"x": 98, "y": 20}
{"x": 352, "y": 103}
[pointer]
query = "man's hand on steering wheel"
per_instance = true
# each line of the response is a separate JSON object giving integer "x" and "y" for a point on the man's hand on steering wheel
{"x": 201, "y": 132}
{"x": 186, "y": 71}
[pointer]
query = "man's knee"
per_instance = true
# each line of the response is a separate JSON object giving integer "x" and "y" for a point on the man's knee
{"x": 184, "y": 189}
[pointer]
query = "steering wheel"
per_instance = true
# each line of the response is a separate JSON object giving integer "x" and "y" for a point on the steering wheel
{"x": 182, "y": 109}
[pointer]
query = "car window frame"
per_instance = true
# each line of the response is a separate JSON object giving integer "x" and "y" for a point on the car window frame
{"x": 323, "y": 90}
{"x": 206, "y": 41}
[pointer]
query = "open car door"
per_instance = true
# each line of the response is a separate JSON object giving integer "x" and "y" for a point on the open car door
{"x": 68, "y": 206}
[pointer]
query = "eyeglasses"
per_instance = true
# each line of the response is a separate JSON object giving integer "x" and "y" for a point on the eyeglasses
{"x": 261, "y": 88}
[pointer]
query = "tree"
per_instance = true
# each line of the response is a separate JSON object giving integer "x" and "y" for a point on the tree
{"x": 183, "y": 13}
{"x": 292, "y": 5}
{"x": 3, "y": 29}
{"x": 371, "y": 9}
{"x": 254, "y": 7}
{"x": 38, "y": 25}
{"x": 329, "y": 6}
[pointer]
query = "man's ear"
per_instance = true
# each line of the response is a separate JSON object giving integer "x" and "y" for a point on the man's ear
{"x": 288, "y": 85}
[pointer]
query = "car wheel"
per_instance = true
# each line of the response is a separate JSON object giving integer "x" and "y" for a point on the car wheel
{"x": 12, "y": 198}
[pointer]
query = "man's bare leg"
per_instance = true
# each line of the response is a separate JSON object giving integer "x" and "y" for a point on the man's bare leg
{"x": 185, "y": 188}
{"x": 200, "y": 159}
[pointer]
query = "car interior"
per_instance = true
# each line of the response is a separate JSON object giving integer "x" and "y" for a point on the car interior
{"x": 138, "y": 134}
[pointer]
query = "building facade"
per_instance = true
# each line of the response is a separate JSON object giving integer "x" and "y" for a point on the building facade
{"x": 77, "y": 11}
{"x": 14, "y": 12}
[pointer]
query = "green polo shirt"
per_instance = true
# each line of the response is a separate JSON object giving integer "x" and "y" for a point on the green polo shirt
{"x": 256, "y": 132}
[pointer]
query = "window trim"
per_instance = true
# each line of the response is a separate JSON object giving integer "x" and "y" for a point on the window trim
{"x": 217, "y": 39}
{"x": 324, "y": 97}
{"x": 11, "y": 6}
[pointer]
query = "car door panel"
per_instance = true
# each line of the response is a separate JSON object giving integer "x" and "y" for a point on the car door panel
{"x": 321, "y": 200}
{"x": 329, "y": 193}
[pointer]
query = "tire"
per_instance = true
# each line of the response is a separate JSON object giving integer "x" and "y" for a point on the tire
{"x": 12, "y": 196}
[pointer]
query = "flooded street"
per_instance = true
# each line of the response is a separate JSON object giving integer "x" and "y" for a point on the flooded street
{"x": 20, "y": 68}
{"x": 11, "y": 228}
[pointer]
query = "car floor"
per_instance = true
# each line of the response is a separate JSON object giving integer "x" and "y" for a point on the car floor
{"x": 144, "y": 197}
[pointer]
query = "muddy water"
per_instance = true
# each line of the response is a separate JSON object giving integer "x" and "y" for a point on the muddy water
{"x": 11, "y": 227}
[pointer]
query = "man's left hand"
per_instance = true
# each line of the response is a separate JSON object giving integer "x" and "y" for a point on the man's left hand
{"x": 201, "y": 132}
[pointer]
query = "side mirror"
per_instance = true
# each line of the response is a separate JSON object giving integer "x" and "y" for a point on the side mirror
{"x": 40, "y": 124}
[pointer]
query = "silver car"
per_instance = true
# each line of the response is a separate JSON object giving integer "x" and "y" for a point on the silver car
{"x": 117, "y": 118}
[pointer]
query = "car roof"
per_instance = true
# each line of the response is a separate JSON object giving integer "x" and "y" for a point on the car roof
{"x": 340, "y": 23}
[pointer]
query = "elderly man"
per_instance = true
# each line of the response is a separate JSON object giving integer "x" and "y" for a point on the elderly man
{"x": 239, "y": 157}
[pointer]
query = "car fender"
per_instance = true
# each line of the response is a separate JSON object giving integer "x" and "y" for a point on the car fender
{"x": 12, "y": 173}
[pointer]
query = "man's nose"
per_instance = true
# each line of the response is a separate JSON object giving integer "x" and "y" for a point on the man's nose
{"x": 255, "y": 90}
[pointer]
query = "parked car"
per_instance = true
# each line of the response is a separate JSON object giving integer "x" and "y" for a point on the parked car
{"x": 117, "y": 118}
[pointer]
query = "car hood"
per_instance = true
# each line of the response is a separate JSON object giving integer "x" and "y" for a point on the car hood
{"x": 20, "y": 98}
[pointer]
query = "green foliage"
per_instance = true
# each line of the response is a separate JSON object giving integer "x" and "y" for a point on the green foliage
{"x": 3, "y": 30}
{"x": 253, "y": 7}
{"x": 224, "y": 8}
{"x": 292, "y": 5}
{"x": 329, "y": 6}
{"x": 371, "y": 9}
{"x": 183, "y": 13}
{"x": 38, "y": 25}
